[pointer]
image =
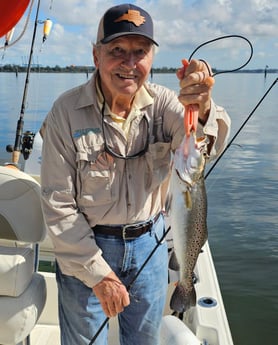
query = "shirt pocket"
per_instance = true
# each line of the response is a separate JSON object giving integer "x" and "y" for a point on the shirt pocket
{"x": 158, "y": 160}
{"x": 94, "y": 179}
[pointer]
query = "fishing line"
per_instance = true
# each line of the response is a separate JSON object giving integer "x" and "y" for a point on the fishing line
{"x": 133, "y": 280}
{"x": 241, "y": 127}
{"x": 222, "y": 38}
{"x": 229, "y": 71}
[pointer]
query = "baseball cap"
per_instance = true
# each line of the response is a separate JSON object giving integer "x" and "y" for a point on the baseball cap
{"x": 125, "y": 19}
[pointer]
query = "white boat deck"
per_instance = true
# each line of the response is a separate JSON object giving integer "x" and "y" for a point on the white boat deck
{"x": 207, "y": 320}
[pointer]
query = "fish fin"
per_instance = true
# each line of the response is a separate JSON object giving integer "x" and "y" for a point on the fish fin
{"x": 168, "y": 203}
{"x": 173, "y": 262}
{"x": 194, "y": 278}
{"x": 181, "y": 300}
{"x": 187, "y": 199}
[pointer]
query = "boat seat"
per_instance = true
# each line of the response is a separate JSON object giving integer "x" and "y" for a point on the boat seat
{"x": 22, "y": 288}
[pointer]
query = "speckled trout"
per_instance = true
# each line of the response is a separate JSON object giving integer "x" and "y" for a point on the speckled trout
{"x": 188, "y": 213}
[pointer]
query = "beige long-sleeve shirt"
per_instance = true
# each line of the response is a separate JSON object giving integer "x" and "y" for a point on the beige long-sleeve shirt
{"x": 83, "y": 186}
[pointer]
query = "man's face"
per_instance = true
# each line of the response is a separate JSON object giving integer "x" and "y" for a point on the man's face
{"x": 124, "y": 65}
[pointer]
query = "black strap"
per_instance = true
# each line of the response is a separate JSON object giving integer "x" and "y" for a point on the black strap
{"x": 127, "y": 231}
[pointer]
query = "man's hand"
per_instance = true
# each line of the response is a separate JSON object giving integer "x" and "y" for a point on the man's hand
{"x": 196, "y": 86}
{"x": 112, "y": 295}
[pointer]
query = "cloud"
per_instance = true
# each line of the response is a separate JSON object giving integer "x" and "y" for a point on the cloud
{"x": 180, "y": 26}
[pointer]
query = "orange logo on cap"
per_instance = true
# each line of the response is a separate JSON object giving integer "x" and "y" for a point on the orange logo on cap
{"x": 132, "y": 16}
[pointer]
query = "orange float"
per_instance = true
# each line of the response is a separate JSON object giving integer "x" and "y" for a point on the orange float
{"x": 10, "y": 13}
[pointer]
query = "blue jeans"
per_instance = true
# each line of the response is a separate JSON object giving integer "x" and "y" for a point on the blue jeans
{"x": 80, "y": 312}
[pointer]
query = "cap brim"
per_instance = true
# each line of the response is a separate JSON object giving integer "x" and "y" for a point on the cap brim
{"x": 120, "y": 34}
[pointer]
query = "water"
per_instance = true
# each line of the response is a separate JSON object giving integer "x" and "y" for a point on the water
{"x": 242, "y": 190}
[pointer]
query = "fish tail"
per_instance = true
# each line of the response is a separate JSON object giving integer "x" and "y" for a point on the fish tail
{"x": 182, "y": 300}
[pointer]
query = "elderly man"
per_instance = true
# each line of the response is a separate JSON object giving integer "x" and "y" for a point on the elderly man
{"x": 105, "y": 168}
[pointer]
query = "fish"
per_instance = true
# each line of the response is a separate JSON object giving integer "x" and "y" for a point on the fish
{"x": 188, "y": 212}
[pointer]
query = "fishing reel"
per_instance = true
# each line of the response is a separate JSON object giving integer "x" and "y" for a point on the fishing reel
{"x": 26, "y": 144}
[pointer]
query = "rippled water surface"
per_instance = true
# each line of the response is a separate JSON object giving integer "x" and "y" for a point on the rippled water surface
{"x": 242, "y": 189}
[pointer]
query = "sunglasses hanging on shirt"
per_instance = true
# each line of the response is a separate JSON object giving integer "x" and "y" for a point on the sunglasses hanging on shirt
{"x": 108, "y": 149}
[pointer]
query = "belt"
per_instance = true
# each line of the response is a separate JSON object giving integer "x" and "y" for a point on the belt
{"x": 126, "y": 231}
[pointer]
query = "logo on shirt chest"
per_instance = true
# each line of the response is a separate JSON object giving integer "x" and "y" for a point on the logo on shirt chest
{"x": 85, "y": 131}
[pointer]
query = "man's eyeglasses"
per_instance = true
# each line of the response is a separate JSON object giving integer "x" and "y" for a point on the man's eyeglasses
{"x": 108, "y": 149}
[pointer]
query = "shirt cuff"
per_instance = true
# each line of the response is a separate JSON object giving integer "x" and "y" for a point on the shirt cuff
{"x": 92, "y": 273}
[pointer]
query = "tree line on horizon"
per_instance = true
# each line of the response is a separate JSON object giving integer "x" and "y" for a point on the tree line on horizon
{"x": 89, "y": 69}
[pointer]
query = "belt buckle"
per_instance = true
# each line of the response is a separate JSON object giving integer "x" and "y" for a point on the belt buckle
{"x": 134, "y": 226}
{"x": 124, "y": 230}
{"x": 130, "y": 226}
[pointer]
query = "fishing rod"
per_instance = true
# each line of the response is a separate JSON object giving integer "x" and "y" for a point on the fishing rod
{"x": 133, "y": 280}
{"x": 24, "y": 141}
{"x": 241, "y": 127}
{"x": 28, "y": 140}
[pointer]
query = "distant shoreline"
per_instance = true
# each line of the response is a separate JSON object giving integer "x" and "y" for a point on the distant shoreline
{"x": 90, "y": 69}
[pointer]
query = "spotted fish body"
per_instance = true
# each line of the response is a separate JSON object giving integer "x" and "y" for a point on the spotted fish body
{"x": 188, "y": 211}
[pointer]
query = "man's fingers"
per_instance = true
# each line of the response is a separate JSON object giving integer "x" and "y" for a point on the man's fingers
{"x": 126, "y": 300}
{"x": 198, "y": 66}
{"x": 113, "y": 307}
{"x": 112, "y": 295}
{"x": 201, "y": 77}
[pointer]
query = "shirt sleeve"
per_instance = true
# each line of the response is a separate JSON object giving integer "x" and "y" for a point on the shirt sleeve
{"x": 74, "y": 245}
{"x": 217, "y": 128}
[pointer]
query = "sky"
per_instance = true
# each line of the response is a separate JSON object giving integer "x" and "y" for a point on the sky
{"x": 180, "y": 27}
